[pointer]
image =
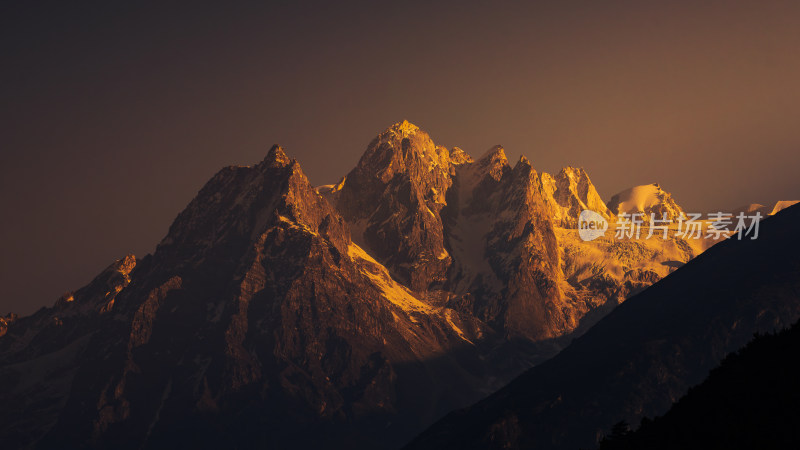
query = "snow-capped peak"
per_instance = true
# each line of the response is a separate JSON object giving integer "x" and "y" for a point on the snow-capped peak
{"x": 569, "y": 192}
{"x": 405, "y": 127}
{"x": 645, "y": 199}
{"x": 764, "y": 210}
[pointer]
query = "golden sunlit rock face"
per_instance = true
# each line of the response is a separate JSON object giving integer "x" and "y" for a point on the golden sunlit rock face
{"x": 419, "y": 283}
{"x": 492, "y": 240}
{"x": 648, "y": 353}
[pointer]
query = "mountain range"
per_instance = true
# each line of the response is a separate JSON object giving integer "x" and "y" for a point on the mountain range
{"x": 644, "y": 355}
{"x": 282, "y": 314}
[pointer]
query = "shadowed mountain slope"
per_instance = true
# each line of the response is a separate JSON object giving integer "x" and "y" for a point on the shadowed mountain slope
{"x": 646, "y": 353}
{"x": 275, "y": 313}
{"x": 749, "y": 401}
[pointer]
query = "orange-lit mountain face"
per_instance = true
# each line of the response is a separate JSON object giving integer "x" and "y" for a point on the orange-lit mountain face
{"x": 276, "y": 313}
{"x": 489, "y": 239}
{"x": 647, "y": 353}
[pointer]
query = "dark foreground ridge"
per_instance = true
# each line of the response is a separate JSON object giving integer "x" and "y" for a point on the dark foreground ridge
{"x": 277, "y": 314}
{"x": 645, "y": 354}
{"x": 749, "y": 401}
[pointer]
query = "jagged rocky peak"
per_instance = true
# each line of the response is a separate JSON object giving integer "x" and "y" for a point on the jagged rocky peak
{"x": 403, "y": 148}
{"x": 533, "y": 306}
{"x": 121, "y": 268}
{"x": 524, "y": 175}
{"x": 257, "y": 301}
{"x": 493, "y": 163}
{"x": 49, "y": 329}
{"x": 239, "y": 203}
{"x": 125, "y": 265}
{"x": 100, "y": 293}
{"x": 459, "y": 156}
{"x": 276, "y": 157}
{"x": 505, "y": 250}
{"x": 568, "y": 193}
{"x": 524, "y": 165}
{"x": 608, "y": 375}
{"x": 480, "y": 180}
{"x": 394, "y": 198}
{"x": 645, "y": 199}
{"x": 401, "y": 152}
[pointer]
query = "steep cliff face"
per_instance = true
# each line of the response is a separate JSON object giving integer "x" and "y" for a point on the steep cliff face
{"x": 570, "y": 192}
{"x": 523, "y": 252}
{"x": 394, "y": 198}
{"x": 40, "y": 355}
{"x": 476, "y": 234}
{"x": 256, "y": 304}
{"x": 49, "y": 328}
{"x": 645, "y": 354}
{"x": 506, "y": 267}
{"x": 278, "y": 314}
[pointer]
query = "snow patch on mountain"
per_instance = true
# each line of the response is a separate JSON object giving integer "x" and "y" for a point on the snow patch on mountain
{"x": 764, "y": 210}
{"x": 397, "y": 294}
{"x": 645, "y": 199}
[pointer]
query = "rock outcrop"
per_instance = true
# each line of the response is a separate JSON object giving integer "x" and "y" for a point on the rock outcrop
{"x": 278, "y": 314}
